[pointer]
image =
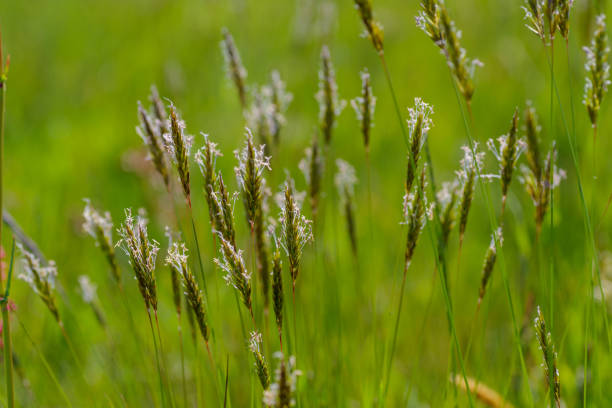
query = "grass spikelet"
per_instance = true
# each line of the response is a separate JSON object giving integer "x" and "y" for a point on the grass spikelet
{"x": 550, "y": 359}
{"x": 40, "y": 278}
{"x": 467, "y": 174}
{"x": 175, "y": 274}
{"x": 327, "y": 96}
{"x": 419, "y": 123}
{"x": 415, "y": 207}
{"x": 177, "y": 260}
{"x": 507, "y": 153}
{"x": 236, "y": 273}
{"x": 598, "y": 70}
{"x": 539, "y": 178}
{"x": 428, "y": 20}
{"x": 142, "y": 253}
{"x": 436, "y": 23}
{"x": 151, "y": 132}
{"x": 280, "y": 99}
{"x": 277, "y": 291}
{"x": 345, "y": 180}
{"x": 563, "y": 17}
{"x": 159, "y": 110}
{"x": 485, "y": 394}
{"x": 374, "y": 30}
{"x": 179, "y": 147}
{"x": 259, "y": 116}
{"x": 296, "y": 231}
{"x": 447, "y": 199}
{"x": 364, "y": 106}
{"x": 223, "y": 212}
{"x": 489, "y": 264}
{"x": 234, "y": 68}
{"x": 249, "y": 173}
{"x": 261, "y": 367}
{"x": 100, "y": 228}
{"x": 534, "y": 14}
{"x": 312, "y": 166}
{"x": 280, "y": 393}
{"x": 88, "y": 291}
{"x": 206, "y": 158}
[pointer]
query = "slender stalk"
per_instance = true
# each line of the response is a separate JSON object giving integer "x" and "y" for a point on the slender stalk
{"x": 45, "y": 363}
{"x": 180, "y": 334}
{"x": 395, "y": 103}
{"x": 8, "y": 359}
{"x": 6, "y": 332}
{"x": 201, "y": 264}
{"x": 161, "y": 383}
{"x": 551, "y": 243}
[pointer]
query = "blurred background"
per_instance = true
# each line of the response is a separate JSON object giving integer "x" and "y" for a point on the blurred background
{"x": 77, "y": 71}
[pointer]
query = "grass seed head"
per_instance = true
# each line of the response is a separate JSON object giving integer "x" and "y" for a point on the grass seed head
{"x": 550, "y": 358}
{"x": 312, "y": 166}
{"x": 277, "y": 287}
{"x": 40, "y": 278}
{"x": 236, "y": 273}
{"x": 467, "y": 174}
{"x": 428, "y": 20}
{"x": 460, "y": 65}
{"x": 261, "y": 367}
{"x": 489, "y": 262}
{"x": 150, "y": 131}
{"x": 233, "y": 66}
{"x": 296, "y": 230}
{"x": 374, "y": 30}
{"x": 142, "y": 253}
{"x": 327, "y": 96}
{"x": 415, "y": 209}
{"x": 206, "y": 158}
{"x": 177, "y": 260}
{"x": 364, "y": 107}
{"x": 345, "y": 180}
{"x": 510, "y": 148}
{"x": 281, "y": 99}
{"x": 598, "y": 70}
{"x": 100, "y": 228}
{"x": 280, "y": 394}
{"x": 447, "y": 199}
{"x": 178, "y": 145}
{"x": 419, "y": 124}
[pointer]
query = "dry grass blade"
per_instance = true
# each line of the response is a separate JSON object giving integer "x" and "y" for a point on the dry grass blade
{"x": 485, "y": 394}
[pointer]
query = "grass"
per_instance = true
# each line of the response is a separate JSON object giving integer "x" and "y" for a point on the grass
{"x": 362, "y": 330}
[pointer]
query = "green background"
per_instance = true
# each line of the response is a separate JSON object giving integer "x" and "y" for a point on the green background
{"x": 79, "y": 67}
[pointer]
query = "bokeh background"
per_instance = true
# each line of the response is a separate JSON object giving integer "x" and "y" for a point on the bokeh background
{"x": 79, "y": 68}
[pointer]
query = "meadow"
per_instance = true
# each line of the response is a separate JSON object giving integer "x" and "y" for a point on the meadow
{"x": 306, "y": 203}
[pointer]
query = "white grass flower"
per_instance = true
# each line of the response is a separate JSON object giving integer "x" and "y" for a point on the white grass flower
{"x": 88, "y": 289}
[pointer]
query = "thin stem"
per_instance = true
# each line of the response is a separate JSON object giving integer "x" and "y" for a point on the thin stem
{"x": 161, "y": 383}
{"x": 6, "y": 331}
{"x": 8, "y": 359}
{"x": 395, "y": 103}
{"x": 180, "y": 334}
{"x": 45, "y": 363}
{"x": 201, "y": 264}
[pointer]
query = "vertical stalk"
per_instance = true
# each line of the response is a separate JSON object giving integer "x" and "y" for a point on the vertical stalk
{"x": 6, "y": 332}
{"x": 8, "y": 358}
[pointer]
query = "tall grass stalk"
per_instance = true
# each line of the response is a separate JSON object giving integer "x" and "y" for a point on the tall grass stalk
{"x": 8, "y": 359}
{"x": 159, "y": 371}
{"x": 6, "y": 332}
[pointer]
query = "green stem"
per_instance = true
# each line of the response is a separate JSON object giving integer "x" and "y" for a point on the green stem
{"x": 45, "y": 363}
{"x": 201, "y": 264}
{"x": 159, "y": 372}
{"x": 10, "y": 391}
{"x": 6, "y": 331}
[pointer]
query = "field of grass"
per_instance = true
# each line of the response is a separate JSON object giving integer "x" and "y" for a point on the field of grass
{"x": 77, "y": 71}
